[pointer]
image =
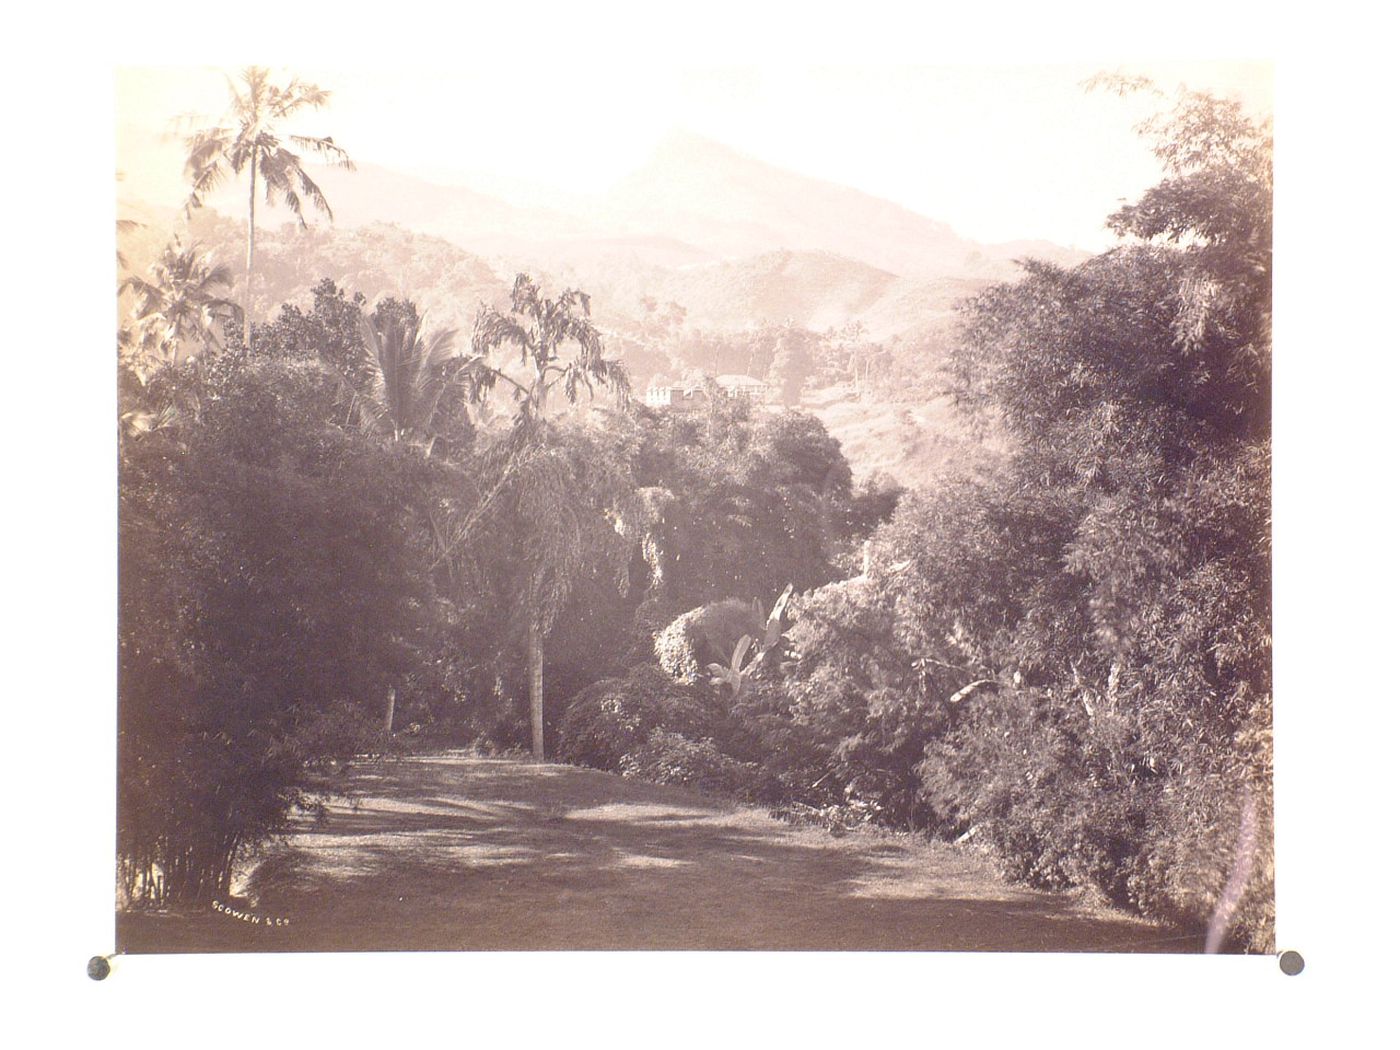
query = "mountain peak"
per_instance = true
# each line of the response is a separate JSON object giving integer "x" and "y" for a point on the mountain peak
{"x": 681, "y": 145}
{"x": 733, "y": 204}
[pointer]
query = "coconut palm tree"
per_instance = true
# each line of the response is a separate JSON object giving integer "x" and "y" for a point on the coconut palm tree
{"x": 180, "y": 310}
{"x": 248, "y": 140}
{"x": 550, "y": 487}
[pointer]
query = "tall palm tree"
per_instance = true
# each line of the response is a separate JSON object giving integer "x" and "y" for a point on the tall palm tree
{"x": 248, "y": 140}
{"x": 180, "y": 310}
{"x": 559, "y": 349}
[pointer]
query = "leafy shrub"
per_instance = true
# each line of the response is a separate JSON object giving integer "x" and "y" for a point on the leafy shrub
{"x": 1065, "y": 796}
{"x": 670, "y": 758}
{"x": 790, "y": 766}
{"x": 856, "y": 689}
{"x": 706, "y": 635}
{"x": 611, "y": 720}
{"x": 1020, "y": 774}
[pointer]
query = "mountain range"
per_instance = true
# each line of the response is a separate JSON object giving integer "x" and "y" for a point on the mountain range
{"x": 735, "y": 241}
{"x": 698, "y": 223}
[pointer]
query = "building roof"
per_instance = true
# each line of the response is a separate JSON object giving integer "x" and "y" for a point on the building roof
{"x": 731, "y": 384}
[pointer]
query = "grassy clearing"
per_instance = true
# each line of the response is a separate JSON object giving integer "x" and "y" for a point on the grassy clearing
{"x": 451, "y": 852}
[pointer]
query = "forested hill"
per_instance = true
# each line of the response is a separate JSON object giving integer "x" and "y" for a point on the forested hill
{"x": 812, "y": 289}
{"x": 696, "y": 261}
{"x": 379, "y": 260}
{"x": 729, "y": 317}
{"x": 734, "y": 241}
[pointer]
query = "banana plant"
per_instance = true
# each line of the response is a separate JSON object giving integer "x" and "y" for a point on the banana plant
{"x": 733, "y": 675}
{"x": 738, "y": 672}
{"x": 773, "y": 630}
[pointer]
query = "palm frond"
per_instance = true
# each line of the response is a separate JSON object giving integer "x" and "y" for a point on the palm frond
{"x": 144, "y": 291}
{"x": 613, "y": 375}
{"x": 206, "y": 165}
{"x": 580, "y": 331}
{"x": 325, "y": 147}
{"x": 404, "y": 375}
{"x": 313, "y": 191}
{"x": 278, "y": 178}
{"x": 525, "y": 297}
{"x": 440, "y": 347}
{"x": 248, "y": 103}
{"x": 205, "y": 147}
{"x": 494, "y": 329}
{"x": 138, "y": 423}
{"x": 297, "y": 95}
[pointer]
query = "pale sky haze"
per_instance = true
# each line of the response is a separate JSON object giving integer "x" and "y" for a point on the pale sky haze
{"x": 999, "y": 152}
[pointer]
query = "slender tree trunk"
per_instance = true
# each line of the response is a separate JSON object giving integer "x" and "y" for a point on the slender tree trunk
{"x": 389, "y": 712}
{"x": 541, "y": 392}
{"x": 535, "y": 660}
{"x": 248, "y": 281}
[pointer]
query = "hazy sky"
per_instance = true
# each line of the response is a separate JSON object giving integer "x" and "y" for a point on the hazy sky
{"x": 1001, "y": 153}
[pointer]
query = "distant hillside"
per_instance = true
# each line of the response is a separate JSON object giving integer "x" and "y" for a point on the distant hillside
{"x": 737, "y": 243}
{"x": 695, "y": 200}
{"x": 812, "y": 289}
{"x": 911, "y": 306}
{"x": 915, "y": 443}
{"x": 378, "y": 260}
{"x": 707, "y": 194}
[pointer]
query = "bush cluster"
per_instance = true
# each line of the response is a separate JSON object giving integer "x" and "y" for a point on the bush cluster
{"x": 268, "y": 602}
{"x": 611, "y": 720}
{"x": 673, "y": 758}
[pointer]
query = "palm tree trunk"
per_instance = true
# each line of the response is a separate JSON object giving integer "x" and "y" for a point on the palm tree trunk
{"x": 535, "y": 660}
{"x": 248, "y": 282}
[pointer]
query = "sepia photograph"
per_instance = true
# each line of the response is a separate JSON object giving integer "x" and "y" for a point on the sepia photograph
{"x": 744, "y": 524}
{"x": 777, "y": 508}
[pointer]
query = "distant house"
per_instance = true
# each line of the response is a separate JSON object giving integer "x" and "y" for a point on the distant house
{"x": 746, "y": 387}
{"x": 676, "y": 397}
{"x": 688, "y": 396}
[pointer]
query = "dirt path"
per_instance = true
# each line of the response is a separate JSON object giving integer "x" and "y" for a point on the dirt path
{"x": 450, "y": 852}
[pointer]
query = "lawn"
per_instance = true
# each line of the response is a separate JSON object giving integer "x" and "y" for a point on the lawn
{"x": 451, "y": 852}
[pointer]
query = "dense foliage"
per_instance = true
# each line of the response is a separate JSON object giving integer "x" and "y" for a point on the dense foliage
{"x": 1138, "y": 384}
{"x": 1067, "y": 659}
{"x": 270, "y": 598}
{"x": 319, "y": 547}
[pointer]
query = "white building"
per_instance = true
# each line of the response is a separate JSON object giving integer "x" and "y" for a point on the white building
{"x": 685, "y": 396}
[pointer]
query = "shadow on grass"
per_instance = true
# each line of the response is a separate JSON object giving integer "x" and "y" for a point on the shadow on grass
{"x": 450, "y": 852}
